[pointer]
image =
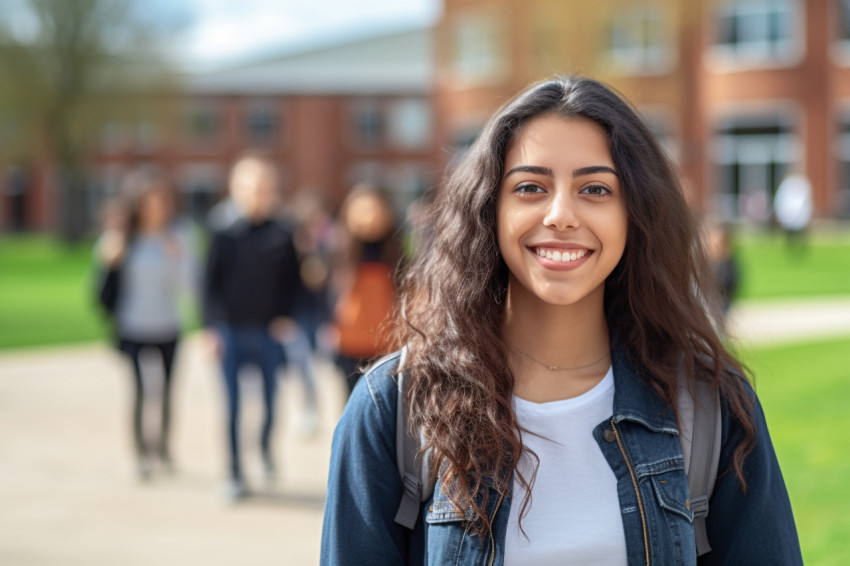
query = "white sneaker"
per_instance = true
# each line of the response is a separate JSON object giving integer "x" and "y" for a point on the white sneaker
{"x": 143, "y": 469}
{"x": 234, "y": 490}
{"x": 309, "y": 424}
{"x": 269, "y": 469}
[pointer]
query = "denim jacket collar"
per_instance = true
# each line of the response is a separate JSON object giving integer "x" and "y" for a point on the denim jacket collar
{"x": 634, "y": 398}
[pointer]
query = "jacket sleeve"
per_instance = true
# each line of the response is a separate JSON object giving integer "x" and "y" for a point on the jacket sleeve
{"x": 364, "y": 488}
{"x": 756, "y": 525}
{"x": 212, "y": 292}
{"x": 291, "y": 279}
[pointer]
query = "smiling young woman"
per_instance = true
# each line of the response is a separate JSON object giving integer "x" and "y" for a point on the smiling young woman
{"x": 547, "y": 327}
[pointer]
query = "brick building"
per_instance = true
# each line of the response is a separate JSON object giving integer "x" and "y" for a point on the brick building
{"x": 741, "y": 92}
{"x": 357, "y": 110}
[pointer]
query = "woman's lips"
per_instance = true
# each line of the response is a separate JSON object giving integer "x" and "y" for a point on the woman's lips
{"x": 560, "y": 258}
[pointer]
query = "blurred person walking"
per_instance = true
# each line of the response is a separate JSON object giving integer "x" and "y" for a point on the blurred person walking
{"x": 146, "y": 261}
{"x": 792, "y": 206}
{"x": 250, "y": 282}
{"x": 724, "y": 263}
{"x": 314, "y": 234}
{"x": 364, "y": 281}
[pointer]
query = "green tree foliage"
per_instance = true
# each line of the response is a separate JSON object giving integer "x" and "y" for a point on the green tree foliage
{"x": 66, "y": 67}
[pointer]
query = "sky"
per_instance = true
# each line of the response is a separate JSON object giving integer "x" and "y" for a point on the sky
{"x": 222, "y": 31}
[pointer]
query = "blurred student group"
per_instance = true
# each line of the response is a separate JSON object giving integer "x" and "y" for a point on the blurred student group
{"x": 280, "y": 282}
{"x": 278, "y": 194}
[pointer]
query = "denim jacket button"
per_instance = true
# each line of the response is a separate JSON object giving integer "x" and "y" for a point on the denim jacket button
{"x": 609, "y": 435}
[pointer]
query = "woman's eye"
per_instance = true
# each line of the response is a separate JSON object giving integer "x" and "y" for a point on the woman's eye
{"x": 528, "y": 188}
{"x": 596, "y": 190}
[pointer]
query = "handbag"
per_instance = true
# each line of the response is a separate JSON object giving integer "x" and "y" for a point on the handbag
{"x": 109, "y": 288}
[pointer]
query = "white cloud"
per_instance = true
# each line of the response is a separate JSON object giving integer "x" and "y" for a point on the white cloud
{"x": 228, "y": 29}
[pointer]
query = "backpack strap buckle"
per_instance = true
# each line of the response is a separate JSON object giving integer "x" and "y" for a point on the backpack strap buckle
{"x": 699, "y": 506}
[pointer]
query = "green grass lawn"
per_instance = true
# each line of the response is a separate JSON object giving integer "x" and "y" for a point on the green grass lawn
{"x": 46, "y": 294}
{"x": 805, "y": 391}
{"x": 768, "y": 270}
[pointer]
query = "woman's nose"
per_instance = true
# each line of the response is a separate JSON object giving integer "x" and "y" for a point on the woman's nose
{"x": 561, "y": 213}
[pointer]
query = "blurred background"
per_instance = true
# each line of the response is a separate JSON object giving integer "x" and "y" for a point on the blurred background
{"x": 744, "y": 95}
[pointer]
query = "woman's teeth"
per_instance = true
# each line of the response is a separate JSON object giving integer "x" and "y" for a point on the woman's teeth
{"x": 561, "y": 255}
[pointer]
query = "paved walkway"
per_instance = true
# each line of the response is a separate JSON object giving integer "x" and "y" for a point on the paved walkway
{"x": 67, "y": 490}
{"x": 775, "y": 321}
{"x": 68, "y": 494}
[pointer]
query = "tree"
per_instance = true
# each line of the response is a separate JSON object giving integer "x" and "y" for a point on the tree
{"x": 64, "y": 66}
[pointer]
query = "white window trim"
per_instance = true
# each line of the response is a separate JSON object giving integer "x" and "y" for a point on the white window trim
{"x": 720, "y": 58}
{"x": 668, "y": 58}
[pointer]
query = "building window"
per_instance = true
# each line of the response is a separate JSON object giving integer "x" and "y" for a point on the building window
{"x": 660, "y": 123}
{"x": 202, "y": 123}
{"x": 752, "y": 155}
{"x": 842, "y": 201}
{"x": 200, "y": 186}
{"x": 261, "y": 121}
{"x": 640, "y": 42}
{"x": 409, "y": 124}
{"x": 844, "y": 20}
{"x": 759, "y": 31}
{"x": 480, "y": 53}
{"x": 367, "y": 122}
{"x": 841, "y": 46}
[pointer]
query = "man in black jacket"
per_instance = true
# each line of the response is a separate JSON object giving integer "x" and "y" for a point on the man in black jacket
{"x": 250, "y": 281}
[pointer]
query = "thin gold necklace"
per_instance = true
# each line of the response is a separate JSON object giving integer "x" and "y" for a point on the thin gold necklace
{"x": 551, "y": 367}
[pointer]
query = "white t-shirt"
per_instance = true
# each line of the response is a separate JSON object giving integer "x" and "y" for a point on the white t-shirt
{"x": 573, "y": 516}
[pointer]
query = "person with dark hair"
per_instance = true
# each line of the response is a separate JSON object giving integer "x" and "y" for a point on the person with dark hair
{"x": 363, "y": 278}
{"x": 151, "y": 261}
{"x": 724, "y": 264}
{"x": 249, "y": 284}
{"x": 547, "y": 331}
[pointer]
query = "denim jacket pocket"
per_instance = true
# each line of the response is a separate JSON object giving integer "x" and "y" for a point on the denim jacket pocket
{"x": 443, "y": 510}
{"x": 447, "y": 536}
{"x": 672, "y": 494}
{"x": 671, "y": 519}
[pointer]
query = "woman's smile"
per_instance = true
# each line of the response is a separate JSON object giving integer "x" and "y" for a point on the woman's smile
{"x": 560, "y": 258}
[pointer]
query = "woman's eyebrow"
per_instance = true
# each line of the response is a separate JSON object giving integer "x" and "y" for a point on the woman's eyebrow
{"x": 533, "y": 169}
{"x": 538, "y": 170}
{"x": 593, "y": 169}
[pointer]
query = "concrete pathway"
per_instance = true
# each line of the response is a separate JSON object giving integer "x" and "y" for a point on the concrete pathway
{"x": 775, "y": 321}
{"x": 68, "y": 494}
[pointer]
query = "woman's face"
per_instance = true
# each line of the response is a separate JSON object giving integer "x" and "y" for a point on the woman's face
{"x": 155, "y": 209}
{"x": 368, "y": 217}
{"x": 561, "y": 219}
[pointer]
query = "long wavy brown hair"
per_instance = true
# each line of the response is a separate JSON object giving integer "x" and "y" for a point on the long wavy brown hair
{"x": 452, "y": 294}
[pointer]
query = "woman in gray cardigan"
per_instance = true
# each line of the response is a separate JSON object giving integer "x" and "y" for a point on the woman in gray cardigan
{"x": 151, "y": 255}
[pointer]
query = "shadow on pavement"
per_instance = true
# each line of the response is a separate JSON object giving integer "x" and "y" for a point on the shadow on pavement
{"x": 277, "y": 498}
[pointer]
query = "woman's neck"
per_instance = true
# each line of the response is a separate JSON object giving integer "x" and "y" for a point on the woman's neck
{"x": 571, "y": 338}
{"x": 151, "y": 228}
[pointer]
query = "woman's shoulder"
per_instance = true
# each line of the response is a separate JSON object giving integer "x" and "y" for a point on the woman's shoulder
{"x": 377, "y": 390}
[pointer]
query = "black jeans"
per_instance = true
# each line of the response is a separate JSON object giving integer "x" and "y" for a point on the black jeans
{"x": 167, "y": 350}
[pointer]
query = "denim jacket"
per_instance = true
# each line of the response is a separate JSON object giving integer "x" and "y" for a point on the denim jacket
{"x": 640, "y": 442}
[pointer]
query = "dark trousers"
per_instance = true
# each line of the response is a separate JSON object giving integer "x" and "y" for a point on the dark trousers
{"x": 167, "y": 350}
{"x": 249, "y": 345}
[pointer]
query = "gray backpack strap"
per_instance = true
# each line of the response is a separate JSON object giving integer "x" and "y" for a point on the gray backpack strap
{"x": 413, "y": 470}
{"x": 699, "y": 436}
